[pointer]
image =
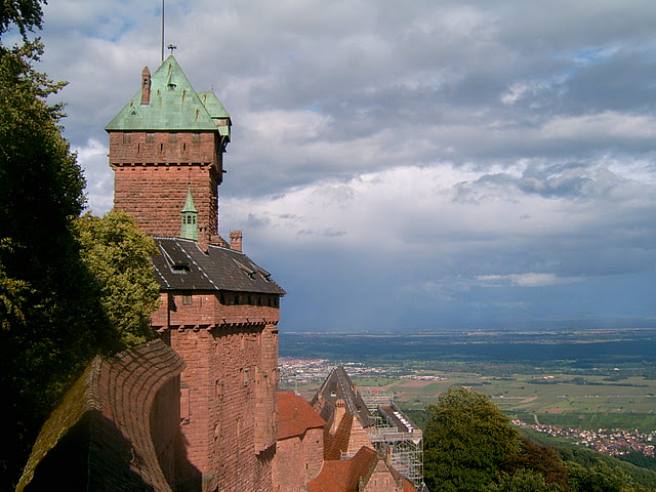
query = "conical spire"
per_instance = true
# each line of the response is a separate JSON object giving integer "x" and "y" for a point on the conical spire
{"x": 189, "y": 203}
{"x": 189, "y": 216}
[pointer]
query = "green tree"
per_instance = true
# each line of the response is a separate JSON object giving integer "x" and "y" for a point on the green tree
{"x": 24, "y": 14}
{"x": 51, "y": 317}
{"x": 523, "y": 480}
{"x": 118, "y": 254}
{"x": 63, "y": 298}
{"x": 600, "y": 478}
{"x": 466, "y": 442}
{"x": 539, "y": 459}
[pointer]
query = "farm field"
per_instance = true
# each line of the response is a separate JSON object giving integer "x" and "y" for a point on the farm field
{"x": 589, "y": 380}
{"x": 564, "y": 399}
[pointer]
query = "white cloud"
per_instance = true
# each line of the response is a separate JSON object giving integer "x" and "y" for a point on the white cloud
{"x": 419, "y": 210}
{"x": 92, "y": 157}
{"x": 601, "y": 126}
{"x": 528, "y": 279}
{"x": 514, "y": 93}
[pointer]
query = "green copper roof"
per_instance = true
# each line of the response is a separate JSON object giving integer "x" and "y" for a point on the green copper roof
{"x": 174, "y": 105}
{"x": 214, "y": 107}
{"x": 189, "y": 204}
{"x": 217, "y": 112}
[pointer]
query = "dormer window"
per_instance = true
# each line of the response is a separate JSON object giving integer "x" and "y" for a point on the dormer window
{"x": 180, "y": 268}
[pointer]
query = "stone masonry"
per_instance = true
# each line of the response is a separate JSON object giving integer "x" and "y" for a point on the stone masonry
{"x": 168, "y": 142}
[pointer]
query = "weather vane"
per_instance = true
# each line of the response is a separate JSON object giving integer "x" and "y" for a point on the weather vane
{"x": 172, "y": 47}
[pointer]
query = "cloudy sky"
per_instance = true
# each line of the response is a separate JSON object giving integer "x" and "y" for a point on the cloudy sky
{"x": 407, "y": 165}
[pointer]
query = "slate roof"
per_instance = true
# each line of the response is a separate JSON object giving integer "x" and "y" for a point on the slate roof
{"x": 338, "y": 386}
{"x": 182, "y": 265}
{"x": 99, "y": 437}
{"x": 174, "y": 105}
{"x": 295, "y": 415}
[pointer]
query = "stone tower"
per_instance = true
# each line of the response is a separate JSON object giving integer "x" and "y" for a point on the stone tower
{"x": 219, "y": 310}
{"x": 166, "y": 140}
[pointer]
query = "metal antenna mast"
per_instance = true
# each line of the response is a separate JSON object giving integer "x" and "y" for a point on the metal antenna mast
{"x": 162, "y": 31}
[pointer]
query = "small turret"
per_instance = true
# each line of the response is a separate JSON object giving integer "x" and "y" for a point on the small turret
{"x": 189, "y": 226}
{"x": 145, "y": 86}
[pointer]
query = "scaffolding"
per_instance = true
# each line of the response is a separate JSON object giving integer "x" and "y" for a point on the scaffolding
{"x": 394, "y": 435}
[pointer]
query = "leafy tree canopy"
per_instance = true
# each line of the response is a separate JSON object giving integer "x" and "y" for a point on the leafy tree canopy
{"x": 523, "y": 480}
{"x": 24, "y": 14}
{"x": 118, "y": 254}
{"x": 70, "y": 287}
{"x": 466, "y": 442}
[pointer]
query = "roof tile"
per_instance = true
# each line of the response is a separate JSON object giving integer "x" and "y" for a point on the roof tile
{"x": 295, "y": 415}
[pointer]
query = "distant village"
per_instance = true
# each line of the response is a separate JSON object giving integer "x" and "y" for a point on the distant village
{"x": 304, "y": 370}
{"x": 613, "y": 442}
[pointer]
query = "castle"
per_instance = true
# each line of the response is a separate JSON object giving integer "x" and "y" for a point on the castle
{"x": 198, "y": 409}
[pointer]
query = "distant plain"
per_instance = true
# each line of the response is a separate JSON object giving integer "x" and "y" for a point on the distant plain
{"x": 584, "y": 378}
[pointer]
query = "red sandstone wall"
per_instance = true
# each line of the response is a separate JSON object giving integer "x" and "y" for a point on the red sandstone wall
{"x": 358, "y": 438}
{"x": 381, "y": 480}
{"x": 235, "y": 360}
{"x": 313, "y": 453}
{"x": 288, "y": 466}
{"x": 206, "y": 309}
{"x": 137, "y": 148}
{"x": 298, "y": 460}
{"x": 227, "y": 389}
{"x": 265, "y": 390}
{"x": 151, "y": 184}
{"x": 136, "y": 386}
{"x": 164, "y": 420}
{"x": 195, "y": 348}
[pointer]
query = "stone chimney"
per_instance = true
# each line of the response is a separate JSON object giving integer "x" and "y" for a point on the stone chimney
{"x": 145, "y": 86}
{"x": 388, "y": 455}
{"x": 236, "y": 240}
{"x": 340, "y": 411}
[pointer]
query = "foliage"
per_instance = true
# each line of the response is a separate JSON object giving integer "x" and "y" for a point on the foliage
{"x": 50, "y": 321}
{"x": 466, "y": 442}
{"x": 25, "y": 14}
{"x": 639, "y": 459}
{"x": 523, "y": 480}
{"x": 599, "y": 478}
{"x": 470, "y": 446}
{"x": 539, "y": 459}
{"x": 604, "y": 471}
{"x": 63, "y": 298}
{"x": 118, "y": 255}
{"x": 634, "y": 477}
{"x": 12, "y": 294}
